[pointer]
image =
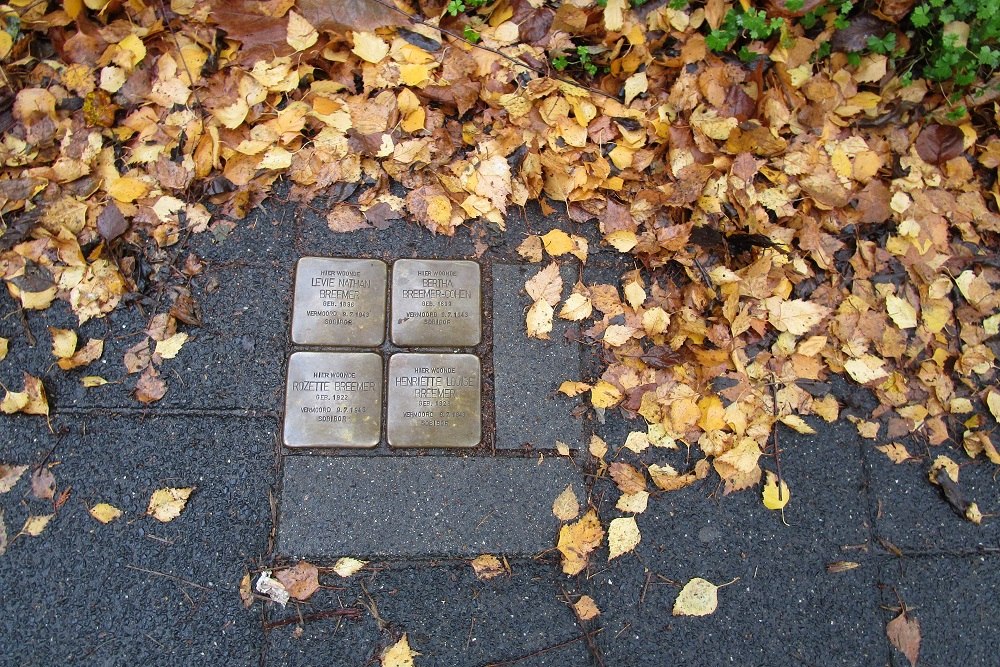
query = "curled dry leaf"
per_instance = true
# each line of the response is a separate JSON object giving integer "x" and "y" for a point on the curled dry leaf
{"x": 346, "y": 566}
{"x": 167, "y": 504}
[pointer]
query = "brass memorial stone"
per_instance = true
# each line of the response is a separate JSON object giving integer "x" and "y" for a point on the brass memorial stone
{"x": 434, "y": 400}
{"x": 333, "y": 399}
{"x": 436, "y": 303}
{"x": 339, "y": 302}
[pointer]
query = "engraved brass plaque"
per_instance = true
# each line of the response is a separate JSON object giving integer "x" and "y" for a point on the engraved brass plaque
{"x": 434, "y": 400}
{"x": 333, "y": 399}
{"x": 436, "y": 303}
{"x": 339, "y": 302}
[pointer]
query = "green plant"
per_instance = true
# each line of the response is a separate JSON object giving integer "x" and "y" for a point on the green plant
{"x": 583, "y": 59}
{"x": 959, "y": 39}
{"x": 753, "y": 23}
{"x": 456, "y": 7}
{"x": 470, "y": 34}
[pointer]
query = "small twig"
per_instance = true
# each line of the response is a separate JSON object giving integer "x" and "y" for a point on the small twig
{"x": 541, "y": 651}
{"x": 168, "y": 576}
{"x": 774, "y": 434}
{"x": 352, "y": 613}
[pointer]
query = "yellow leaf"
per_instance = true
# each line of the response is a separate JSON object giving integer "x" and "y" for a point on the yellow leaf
{"x": 85, "y": 355}
{"x": 586, "y": 608}
{"x": 399, "y": 654}
{"x": 635, "y": 295}
{"x": 598, "y": 448}
{"x": 655, "y": 321}
{"x": 557, "y": 242}
{"x": 896, "y": 452}
{"x": 127, "y": 189}
{"x": 622, "y": 240}
{"x": 577, "y": 540}
{"x": 566, "y": 506}
{"x": 346, "y": 567}
{"x": 865, "y": 369}
{"x": 571, "y": 388}
{"x": 487, "y": 567}
{"x": 713, "y": 414}
{"x": 771, "y": 493}
{"x": 93, "y": 381}
{"x": 992, "y": 401}
{"x": 901, "y": 311}
{"x": 6, "y": 44}
{"x": 637, "y": 442}
{"x": 623, "y": 536}
{"x": 4, "y": 345}
{"x": 168, "y": 348}
{"x": 794, "y": 316}
{"x": 614, "y": 15}
{"x": 368, "y": 46}
{"x": 13, "y": 401}
{"x": 633, "y": 502}
{"x": 699, "y": 597}
{"x": 577, "y": 307}
{"x": 562, "y": 448}
{"x": 414, "y": 74}
{"x": 797, "y": 424}
{"x": 63, "y": 342}
{"x": 635, "y": 85}
{"x": 104, "y": 512}
{"x": 942, "y": 462}
{"x": 36, "y": 403}
{"x": 301, "y": 34}
{"x": 617, "y": 335}
{"x": 166, "y": 504}
{"x": 605, "y": 395}
{"x": 539, "y": 320}
{"x": 36, "y": 524}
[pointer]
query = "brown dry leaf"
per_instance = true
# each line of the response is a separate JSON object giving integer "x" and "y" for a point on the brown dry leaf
{"x": 348, "y": 15}
{"x": 300, "y": 580}
{"x": 577, "y": 540}
{"x": 937, "y": 144}
{"x": 87, "y": 354}
{"x": 667, "y": 478}
{"x": 3, "y": 535}
{"x": 566, "y": 506}
{"x": 150, "y": 387}
{"x": 531, "y": 248}
{"x": 904, "y": 633}
{"x": 9, "y": 476}
{"x": 487, "y": 567}
{"x": 43, "y": 484}
{"x": 166, "y": 504}
{"x": 246, "y": 592}
{"x": 586, "y": 609}
{"x": 627, "y": 478}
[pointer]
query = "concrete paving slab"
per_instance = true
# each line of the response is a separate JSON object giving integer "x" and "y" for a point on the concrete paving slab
{"x": 136, "y": 591}
{"x": 419, "y": 506}
{"x": 912, "y": 515}
{"x": 956, "y": 601}
{"x": 785, "y": 608}
{"x": 527, "y": 371}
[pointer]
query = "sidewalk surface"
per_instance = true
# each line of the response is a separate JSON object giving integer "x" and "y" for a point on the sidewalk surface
{"x": 136, "y": 591}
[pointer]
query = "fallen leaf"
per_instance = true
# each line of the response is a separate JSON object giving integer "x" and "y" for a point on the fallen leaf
{"x": 150, "y": 387}
{"x": 9, "y": 476}
{"x": 487, "y": 567}
{"x": 937, "y": 144}
{"x": 531, "y": 248}
{"x": 841, "y": 566}
{"x": 571, "y": 388}
{"x": 246, "y": 593}
{"x": 775, "y": 497}
{"x": 169, "y": 347}
{"x": 797, "y": 424}
{"x": 301, "y": 34}
{"x": 586, "y": 609}
{"x": 627, "y": 478}
{"x": 36, "y": 524}
{"x": 566, "y": 506}
{"x": 539, "y": 320}
{"x": 369, "y": 46}
{"x": 623, "y": 536}
{"x": 605, "y": 395}
{"x": 904, "y": 633}
{"x": 577, "y": 307}
{"x": 4, "y": 345}
{"x": 90, "y": 381}
{"x": 43, "y": 484}
{"x": 895, "y": 451}
{"x": 300, "y": 580}
{"x": 167, "y": 504}
{"x": 546, "y": 285}
{"x": 557, "y": 242}
{"x": 794, "y": 316}
{"x": 399, "y": 654}
{"x": 577, "y": 540}
{"x": 63, "y": 342}
{"x": 104, "y": 512}
{"x": 699, "y": 597}
{"x": 346, "y": 567}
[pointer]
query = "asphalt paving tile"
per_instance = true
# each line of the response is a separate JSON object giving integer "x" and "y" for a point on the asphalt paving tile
{"x": 785, "y": 608}
{"x": 912, "y": 515}
{"x": 136, "y": 591}
{"x": 956, "y": 600}
{"x": 234, "y": 361}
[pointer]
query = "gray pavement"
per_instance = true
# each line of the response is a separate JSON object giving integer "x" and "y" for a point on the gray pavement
{"x": 140, "y": 592}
